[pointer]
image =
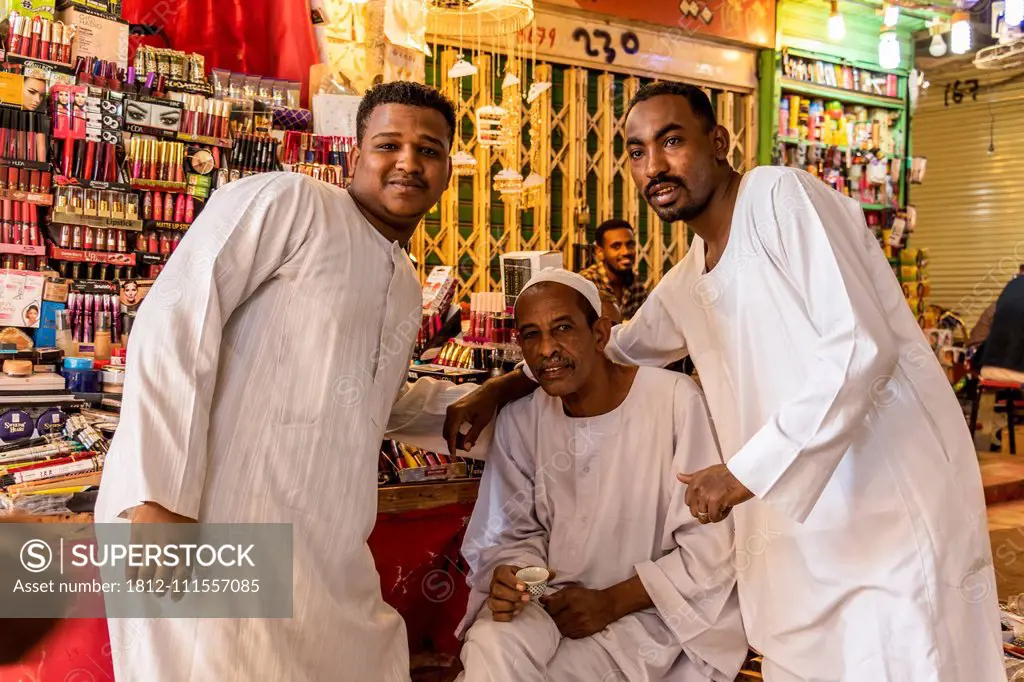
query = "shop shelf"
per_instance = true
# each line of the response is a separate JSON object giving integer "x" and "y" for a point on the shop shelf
{"x": 62, "y": 218}
{"x": 841, "y": 95}
{"x": 81, "y": 256}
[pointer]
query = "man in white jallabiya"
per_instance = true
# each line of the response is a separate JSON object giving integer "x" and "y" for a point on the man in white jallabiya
{"x": 263, "y": 373}
{"x": 579, "y": 481}
{"x": 852, "y": 479}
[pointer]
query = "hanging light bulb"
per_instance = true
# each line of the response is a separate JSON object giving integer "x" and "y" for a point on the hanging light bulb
{"x": 937, "y": 48}
{"x": 1013, "y": 13}
{"x": 891, "y": 14}
{"x": 889, "y": 50}
{"x": 960, "y": 34}
{"x": 836, "y": 25}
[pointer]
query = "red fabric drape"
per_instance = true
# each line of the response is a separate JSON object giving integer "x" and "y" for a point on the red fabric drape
{"x": 417, "y": 556}
{"x": 272, "y": 38}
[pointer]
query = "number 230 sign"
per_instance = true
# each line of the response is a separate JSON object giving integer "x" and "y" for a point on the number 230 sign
{"x": 600, "y": 43}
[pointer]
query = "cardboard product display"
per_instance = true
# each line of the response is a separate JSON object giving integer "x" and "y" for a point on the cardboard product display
{"x": 98, "y": 36}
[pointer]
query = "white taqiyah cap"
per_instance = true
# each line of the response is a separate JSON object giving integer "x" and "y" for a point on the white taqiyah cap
{"x": 569, "y": 279}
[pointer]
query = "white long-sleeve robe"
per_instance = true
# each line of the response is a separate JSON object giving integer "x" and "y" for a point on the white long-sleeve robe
{"x": 596, "y": 499}
{"x": 263, "y": 370}
{"x": 865, "y": 554}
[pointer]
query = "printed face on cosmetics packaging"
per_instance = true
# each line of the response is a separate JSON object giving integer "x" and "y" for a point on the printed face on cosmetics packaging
{"x": 403, "y": 162}
{"x": 33, "y": 94}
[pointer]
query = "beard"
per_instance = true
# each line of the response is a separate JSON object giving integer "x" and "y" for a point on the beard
{"x": 685, "y": 213}
{"x": 623, "y": 273}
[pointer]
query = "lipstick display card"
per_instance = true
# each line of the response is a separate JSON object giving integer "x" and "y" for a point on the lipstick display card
{"x": 67, "y": 103}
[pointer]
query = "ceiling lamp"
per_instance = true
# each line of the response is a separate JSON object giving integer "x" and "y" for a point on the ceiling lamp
{"x": 937, "y": 47}
{"x": 1013, "y": 13}
{"x": 889, "y": 51}
{"x": 960, "y": 34}
{"x": 836, "y": 25}
{"x": 478, "y": 18}
{"x": 890, "y": 14}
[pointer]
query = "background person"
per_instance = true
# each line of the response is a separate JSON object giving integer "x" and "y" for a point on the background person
{"x": 613, "y": 271}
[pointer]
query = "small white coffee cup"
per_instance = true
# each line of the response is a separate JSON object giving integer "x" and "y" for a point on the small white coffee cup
{"x": 535, "y": 578}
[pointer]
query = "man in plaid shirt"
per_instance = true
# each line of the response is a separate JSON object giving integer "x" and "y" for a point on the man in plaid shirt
{"x": 615, "y": 252}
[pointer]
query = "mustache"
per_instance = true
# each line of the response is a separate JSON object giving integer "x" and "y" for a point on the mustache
{"x": 413, "y": 180}
{"x": 664, "y": 178}
{"x": 554, "y": 361}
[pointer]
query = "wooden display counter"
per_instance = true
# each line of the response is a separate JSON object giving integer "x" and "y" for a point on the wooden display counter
{"x": 396, "y": 499}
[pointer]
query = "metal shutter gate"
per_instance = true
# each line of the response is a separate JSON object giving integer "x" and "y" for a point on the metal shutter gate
{"x": 971, "y": 205}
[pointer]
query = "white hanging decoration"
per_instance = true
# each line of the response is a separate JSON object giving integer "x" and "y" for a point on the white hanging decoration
{"x": 533, "y": 181}
{"x": 463, "y": 163}
{"x": 489, "y": 126}
{"x": 508, "y": 183}
{"x": 536, "y": 90}
{"x": 462, "y": 68}
{"x": 511, "y": 80}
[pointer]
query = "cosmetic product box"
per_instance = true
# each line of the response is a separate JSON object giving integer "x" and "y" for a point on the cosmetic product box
{"x": 44, "y": 359}
{"x": 100, "y": 35}
{"x": 441, "y": 472}
{"x": 56, "y": 289}
{"x": 11, "y": 88}
{"x": 46, "y": 335}
{"x": 456, "y": 375}
{"x": 94, "y": 286}
{"x": 24, "y": 422}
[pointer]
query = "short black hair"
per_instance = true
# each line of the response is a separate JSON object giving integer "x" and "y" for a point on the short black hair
{"x": 698, "y": 99}
{"x": 608, "y": 226}
{"x": 408, "y": 93}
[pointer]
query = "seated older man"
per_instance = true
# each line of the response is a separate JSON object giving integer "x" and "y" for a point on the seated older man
{"x": 581, "y": 480}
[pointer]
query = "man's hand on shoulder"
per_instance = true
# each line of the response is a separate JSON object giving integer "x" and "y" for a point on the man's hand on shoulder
{"x": 479, "y": 408}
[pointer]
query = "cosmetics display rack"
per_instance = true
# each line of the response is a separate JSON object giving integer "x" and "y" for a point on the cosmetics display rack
{"x": 401, "y": 463}
{"x": 846, "y": 123}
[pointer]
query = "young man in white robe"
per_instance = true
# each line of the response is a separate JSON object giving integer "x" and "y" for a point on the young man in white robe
{"x": 263, "y": 373}
{"x": 863, "y": 550}
{"x": 579, "y": 480}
